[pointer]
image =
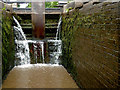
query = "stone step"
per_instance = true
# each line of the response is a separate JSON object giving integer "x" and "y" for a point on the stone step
{"x": 51, "y": 24}
{"x": 27, "y": 30}
{"x": 50, "y": 35}
{"x": 52, "y": 16}
{"x": 51, "y": 27}
{"x": 28, "y": 35}
{"x": 26, "y": 24}
{"x": 63, "y": 2}
{"x": 29, "y": 38}
{"x": 47, "y": 24}
{"x": 26, "y": 27}
{"x": 50, "y": 30}
{"x": 59, "y": 5}
{"x": 50, "y": 38}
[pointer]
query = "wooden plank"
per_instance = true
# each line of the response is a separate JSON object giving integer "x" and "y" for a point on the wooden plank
{"x": 38, "y": 20}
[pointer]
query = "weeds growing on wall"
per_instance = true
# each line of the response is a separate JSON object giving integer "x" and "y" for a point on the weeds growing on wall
{"x": 7, "y": 45}
{"x": 88, "y": 40}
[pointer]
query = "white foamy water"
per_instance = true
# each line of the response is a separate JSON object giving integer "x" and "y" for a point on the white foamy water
{"x": 22, "y": 47}
{"x": 56, "y": 46}
{"x": 58, "y": 29}
{"x": 37, "y": 65}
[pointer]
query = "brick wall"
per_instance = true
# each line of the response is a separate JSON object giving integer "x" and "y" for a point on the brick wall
{"x": 91, "y": 44}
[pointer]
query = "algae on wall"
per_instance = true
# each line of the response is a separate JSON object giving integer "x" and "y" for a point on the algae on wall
{"x": 68, "y": 29}
{"x": 91, "y": 45}
{"x": 7, "y": 45}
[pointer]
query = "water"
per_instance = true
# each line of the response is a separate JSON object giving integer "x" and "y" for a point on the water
{"x": 23, "y": 52}
{"x": 22, "y": 48}
{"x": 56, "y": 45}
{"x": 39, "y": 76}
{"x": 38, "y": 46}
{"x": 59, "y": 29}
{"x": 38, "y": 49}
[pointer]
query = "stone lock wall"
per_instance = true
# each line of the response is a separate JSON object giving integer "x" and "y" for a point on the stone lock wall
{"x": 91, "y": 44}
{"x": 8, "y": 51}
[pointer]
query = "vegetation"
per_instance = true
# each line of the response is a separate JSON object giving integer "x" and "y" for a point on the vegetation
{"x": 7, "y": 45}
{"x": 51, "y": 4}
{"x": 51, "y": 21}
{"x": 29, "y": 5}
{"x": 67, "y": 39}
{"x": 67, "y": 10}
{"x": 47, "y": 5}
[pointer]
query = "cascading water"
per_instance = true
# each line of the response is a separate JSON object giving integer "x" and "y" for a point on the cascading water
{"x": 22, "y": 46}
{"x": 56, "y": 46}
{"x": 38, "y": 46}
{"x": 58, "y": 29}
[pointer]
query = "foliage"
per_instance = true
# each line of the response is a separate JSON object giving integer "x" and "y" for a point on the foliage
{"x": 29, "y": 5}
{"x": 50, "y": 4}
{"x": 18, "y": 5}
{"x": 77, "y": 26}
{"x": 7, "y": 45}
{"x": 47, "y": 5}
{"x": 69, "y": 1}
{"x": 4, "y": 8}
{"x": 67, "y": 10}
{"x": 67, "y": 39}
{"x": 51, "y": 21}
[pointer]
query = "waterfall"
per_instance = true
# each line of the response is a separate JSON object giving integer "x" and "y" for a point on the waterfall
{"x": 18, "y": 31}
{"x": 38, "y": 46}
{"x": 56, "y": 51}
{"x": 58, "y": 29}
{"x": 56, "y": 46}
{"x": 22, "y": 48}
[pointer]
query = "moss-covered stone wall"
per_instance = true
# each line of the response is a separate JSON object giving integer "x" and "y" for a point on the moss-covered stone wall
{"x": 91, "y": 40}
{"x": 7, "y": 44}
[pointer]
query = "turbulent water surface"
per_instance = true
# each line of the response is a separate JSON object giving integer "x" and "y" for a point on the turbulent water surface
{"x": 23, "y": 52}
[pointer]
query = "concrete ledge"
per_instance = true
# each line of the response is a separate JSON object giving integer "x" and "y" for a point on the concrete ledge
{"x": 39, "y": 76}
{"x": 78, "y": 4}
{"x": 86, "y": 3}
{"x": 67, "y": 6}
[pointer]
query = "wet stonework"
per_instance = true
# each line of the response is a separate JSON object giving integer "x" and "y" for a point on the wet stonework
{"x": 39, "y": 76}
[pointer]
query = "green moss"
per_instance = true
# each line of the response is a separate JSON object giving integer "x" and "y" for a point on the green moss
{"x": 67, "y": 10}
{"x": 74, "y": 24}
{"x": 82, "y": 25}
{"x": 51, "y": 21}
{"x": 7, "y": 45}
{"x": 29, "y": 5}
{"x": 51, "y": 4}
{"x": 47, "y": 4}
{"x": 68, "y": 30}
